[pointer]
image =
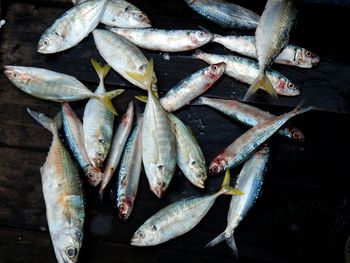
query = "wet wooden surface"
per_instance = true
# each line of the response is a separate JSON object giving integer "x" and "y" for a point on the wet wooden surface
{"x": 303, "y": 213}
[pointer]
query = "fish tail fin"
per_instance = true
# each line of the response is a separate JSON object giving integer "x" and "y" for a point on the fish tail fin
{"x": 232, "y": 244}
{"x": 197, "y": 54}
{"x": 261, "y": 81}
{"x": 144, "y": 79}
{"x": 216, "y": 38}
{"x": 216, "y": 240}
{"x": 142, "y": 98}
{"x": 105, "y": 99}
{"x": 301, "y": 108}
{"x": 51, "y": 124}
{"x": 226, "y": 188}
{"x": 101, "y": 71}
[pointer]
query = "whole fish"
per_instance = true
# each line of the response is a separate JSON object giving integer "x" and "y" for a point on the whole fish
{"x": 158, "y": 141}
{"x": 178, "y": 218}
{"x": 272, "y": 35}
{"x": 249, "y": 181}
{"x": 191, "y": 87}
{"x": 121, "y": 55}
{"x": 119, "y": 140}
{"x": 73, "y": 129}
{"x": 63, "y": 195}
{"x": 120, "y": 13}
{"x": 246, "y": 70}
{"x": 243, "y": 147}
{"x": 50, "y": 85}
{"x": 129, "y": 172}
{"x": 225, "y": 14}
{"x": 291, "y": 55}
{"x": 189, "y": 155}
{"x": 72, "y": 27}
{"x": 248, "y": 115}
{"x": 165, "y": 40}
{"x": 98, "y": 122}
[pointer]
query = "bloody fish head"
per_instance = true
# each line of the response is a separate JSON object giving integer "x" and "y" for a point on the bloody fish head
{"x": 217, "y": 165}
{"x": 67, "y": 244}
{"x": 19, "y": 76}
{"x": 306, "y": 57}
{"x": 93, "y": 174}
{"x": 125, "y": 208}
{"x": 201, "y": 37}
{"x": 296, "y": 135}
{"x": 286, "y": 87}
{"x": 215, "y": 71}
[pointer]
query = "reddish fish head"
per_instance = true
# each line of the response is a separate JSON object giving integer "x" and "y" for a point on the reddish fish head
{"x": 125, "y": 207}
{"x": 286, "y": 88}
{"x": 93, "y": 175}
{"x": 19, "y": 76}
{"x": 201, "y": 37}
{"x": 217, "y": 166}
{"x": 306, "y": 58}
{"x": 215, "y": 71}
{"x": 296, "y": 135}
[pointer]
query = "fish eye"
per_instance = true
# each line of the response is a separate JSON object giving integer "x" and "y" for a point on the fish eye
{"x": 291, "y": 85}
{"x": 215, "y": 68}
{"x": 160, "y": 183}
{"x": 99, "y": 154}
{"x": 160, "y": 167}
{"x": 295, "y": 135}
{"x": 71, "y": 252}
{"x": 193, "y": 162}
{"x": 45, "y": 42}
{"x": 141, "y": 16}
{"x": 308, "y": 53}
{"x": 201, "y": 34}
{"x": 15, "y": 75}
{"x": 214, "y": 169}
{"x": 141, "y": 234}
{"x": 122, "y": 208}
{"x": 90, "y": 175}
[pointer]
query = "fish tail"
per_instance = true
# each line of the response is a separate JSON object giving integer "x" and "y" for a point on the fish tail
{"x": 216, "y": 38}
{"x": 101, "y": 71}
{"x": 105, "y": 99}
{"x": 144, "y": 79}
{"x": 232, "y": 244}
{"x": 142, "y": 98}
{"x": 216, "y": 240}
{"x": 301, "y": 109}
{"x": 197, "y": 54}
{"x": 261, "y": 81}
{"x": 226, "y": 188}
{"x": 51, "y": 124}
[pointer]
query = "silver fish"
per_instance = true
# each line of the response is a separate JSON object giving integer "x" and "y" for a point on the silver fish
{"x": 165, "y": 40}
{"x": 291, "y": 55}
{"x": 120, "y": 13}
{"x": 63, "y": 195}
{"x": 121, "y": 55}
{"x": 72, "y": 27}
{"x": 50, "y": 85}
{"x": 246, "y": 70}
{"x": 225, "y": 14}
{"x": 98, "y": 122}
{"x": 129, "y": 172}
{"x": 249, "y": 181}
{"x": 272, "y": 35}
{"x": 73, "y": 129}
{"x": 189, "y": 155}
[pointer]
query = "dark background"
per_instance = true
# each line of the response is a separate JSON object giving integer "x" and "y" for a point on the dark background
{"x": 303, "y": 213}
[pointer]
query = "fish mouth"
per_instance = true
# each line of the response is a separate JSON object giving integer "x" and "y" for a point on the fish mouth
{"x": 199, "y": 184}
{"x": 8, "y": 71}
{"x": 158, "y": 192}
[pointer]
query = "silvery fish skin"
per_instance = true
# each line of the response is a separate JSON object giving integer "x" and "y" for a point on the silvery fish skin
{"x": 191, "y": 87}
{"x": 121, "y": 55}
{"x": 291, "y": 55}
{"x": 248, "y": 115}
{"x": 189, "y": 155}
{"x": 249, "y": 181}
{"x": 119, "y": 141}
{"x": 165, "y": 40}
{"x": 243, "y": 147}
{"x": 225, "y": 14}
{"x": 129, "y": 172}
{"x": 120, "y": 13}
{"x": 246, "y": 70}
{"x": 63, "y": 195}
{"x": 72, "y": 27}
{"x": 73, "y": 129}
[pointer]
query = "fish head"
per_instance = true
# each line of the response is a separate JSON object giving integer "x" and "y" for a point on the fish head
{"x": 97, "y": 151}
{"x": 201, "y": 37}
{"x": 160, "y": 180}
{"x": 125, "y": 206}
{"x": 19, "y": 76}
{"x": 294, "y": 134}
{"x": 306, "y": 58}
{"x": 218, "y": 165}
{"x": 146, "y": 235}
{"x": 199, "y": 169}
{"x": 49, "y": 43}
{"x": 93, "y": 174}
{"x": 137, "y": 19}
{"x": 67, "y": 244}
{"x": 286, "y": 88}
{"x": 215, "y": 71}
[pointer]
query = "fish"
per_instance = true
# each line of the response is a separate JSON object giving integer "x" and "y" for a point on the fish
{"x": 243, "y": 147}
{"x": 178, "y": 218}
{"x": 189, "y": 156}
{"x": 72, "y": 27}
{"x": 119, "y": 141}
{"x": 250, "y": 181}
{"x": 129, "y": 172}
{"x": 165, "y": 40}
{"x": 122, "y": 55}
{"x": 73, "y": 130}
{"x": 122, "y": 14}
{"x": 63, "y": 195}
{"x": 246, "y": 70}
{"x": 50, "y": 85}
{"x": 271, "y": 36}
{"x": 291, "y": 55}
{"x": 98, "y": 122}
{"x": 225, "y": 14}
{"x": 248, "y": 115}
{"x": 158, "y": 140}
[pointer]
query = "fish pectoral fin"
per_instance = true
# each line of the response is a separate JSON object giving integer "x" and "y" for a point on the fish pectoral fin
{"x": 261, "y": 81}
{"x": 74, "y": 209}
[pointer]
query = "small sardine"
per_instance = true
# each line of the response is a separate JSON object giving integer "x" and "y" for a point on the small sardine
{"x": 50, "y": 85}
{"x": 249, "y": 181}
{"x": 248, "y": 115}
{"x": 243, "y": 147}
{"x": 63, "y": 195}
{"x": 291, "y": 55}
{"x": 73, "y": 129}
{"x": 129, "y": 172}
{"x": 225, "y": 14}
{"x": 246, "y": 70}
{"x": 121, "y": 55}
{"x": 72, "y": 27}
{"x": 165, "y": 40}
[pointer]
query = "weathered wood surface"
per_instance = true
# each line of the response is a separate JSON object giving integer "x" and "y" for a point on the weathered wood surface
{"x": 303, "y": 213}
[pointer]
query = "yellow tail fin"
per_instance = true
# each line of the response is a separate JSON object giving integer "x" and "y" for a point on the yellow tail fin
{"x": 226, "y": 188}
{"x": 101, "y": 71}
{"x": 261, "y": 81}
{"x": 105, "y": 99}
{"x": 146, "y": 78}
{"x": 142, "y": 98}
